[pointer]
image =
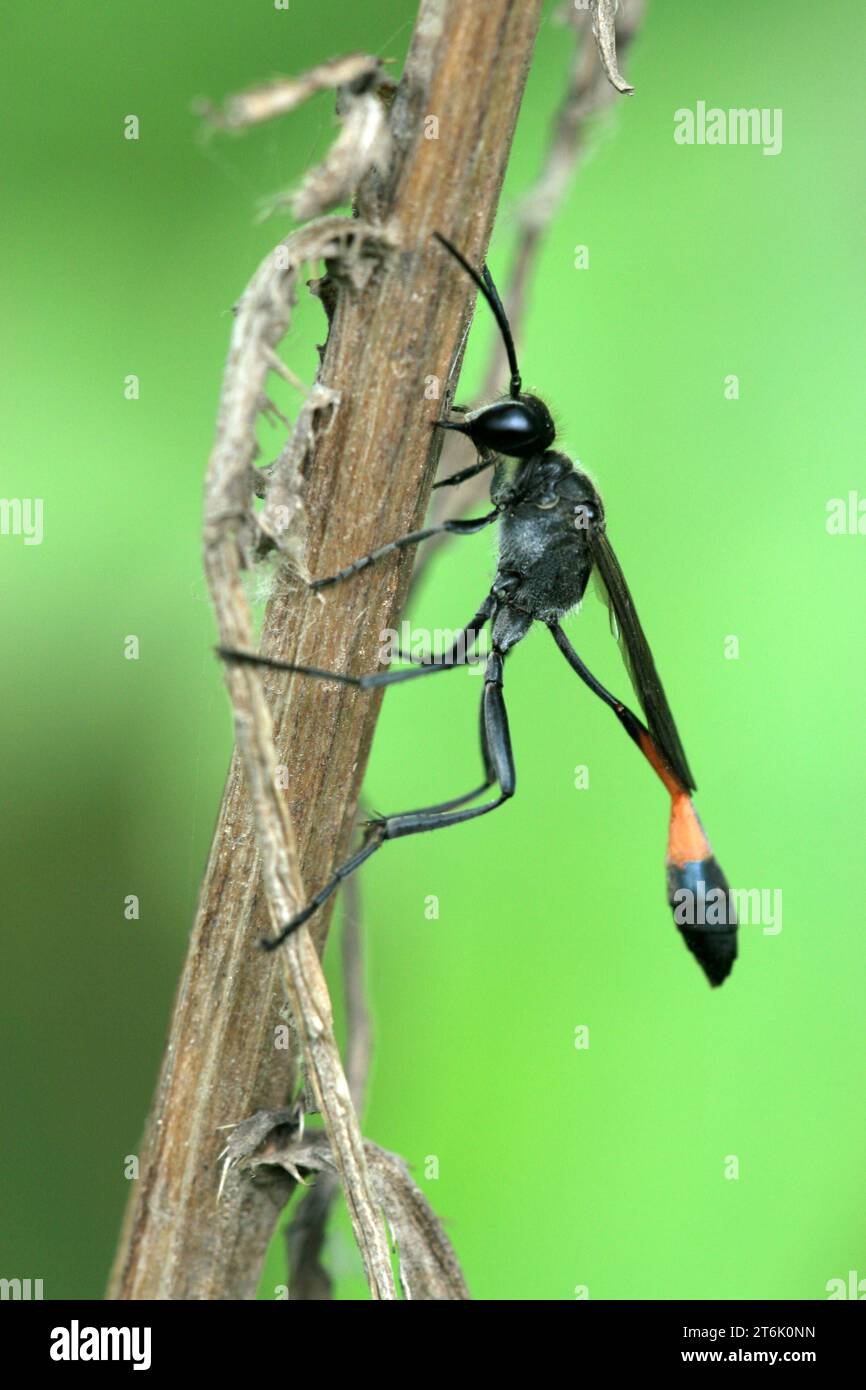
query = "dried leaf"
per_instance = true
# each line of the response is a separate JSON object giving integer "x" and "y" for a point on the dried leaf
{"x": 262, "y": 103}
{"x": 261, "y": 318}
{"x": 363, "y": 144}
{"x": 428, "y": 1266}
{"x": 260, "y": 322}
{"x": 282, "y": 520}
{"x": 603, "y": 13}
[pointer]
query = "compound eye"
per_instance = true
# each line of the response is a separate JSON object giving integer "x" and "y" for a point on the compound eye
{"x": 509, "y": 427}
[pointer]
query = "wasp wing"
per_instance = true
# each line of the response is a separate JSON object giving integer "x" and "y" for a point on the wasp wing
{"x": 637, "y": 656}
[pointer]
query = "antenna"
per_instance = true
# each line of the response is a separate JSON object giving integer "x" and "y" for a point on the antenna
{"x": 484, "y": 281}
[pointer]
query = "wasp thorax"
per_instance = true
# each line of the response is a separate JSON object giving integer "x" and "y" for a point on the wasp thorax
{"x": 517, "y": 426}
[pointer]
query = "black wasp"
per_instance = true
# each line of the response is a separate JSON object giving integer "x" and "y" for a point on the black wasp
{"x": 552, "y": 536}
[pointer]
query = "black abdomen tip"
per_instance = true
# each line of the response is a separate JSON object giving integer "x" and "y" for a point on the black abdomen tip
{"x": 704, "y": 912}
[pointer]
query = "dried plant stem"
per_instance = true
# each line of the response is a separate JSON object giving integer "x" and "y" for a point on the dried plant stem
{"x": 588, "y": 91}
{"x": 367, "y": 479}
{"x": 305, "y": 1235}
{"x": 302, "y": 974}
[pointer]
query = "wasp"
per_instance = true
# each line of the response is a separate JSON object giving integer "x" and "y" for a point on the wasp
{"x": 552, "y": 540}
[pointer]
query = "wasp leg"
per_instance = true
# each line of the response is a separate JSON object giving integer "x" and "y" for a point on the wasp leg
{"x": 471, "y": 472}
{"x": 458, "y": 654}
{"x": 467, "y": 527}
{"x": 498, "y": 761}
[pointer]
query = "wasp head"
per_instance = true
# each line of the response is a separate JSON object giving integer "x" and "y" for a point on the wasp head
{"x": 517, "y": 426}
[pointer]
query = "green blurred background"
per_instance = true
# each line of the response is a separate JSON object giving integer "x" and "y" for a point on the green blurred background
{"x": 557, "y": 1167}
